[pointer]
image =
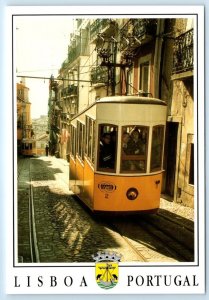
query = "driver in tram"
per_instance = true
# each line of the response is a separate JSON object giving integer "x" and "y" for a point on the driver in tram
{"x": 106, "y": 155}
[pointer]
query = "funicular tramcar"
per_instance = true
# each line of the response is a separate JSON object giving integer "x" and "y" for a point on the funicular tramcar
{"x": 28, "y": 147}
{"x": 116, "y": 154}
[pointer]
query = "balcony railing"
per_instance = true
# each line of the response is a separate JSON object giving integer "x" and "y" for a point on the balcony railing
{"x": 101, "y": 25}
{"x": 136, "y": 32}
{"x": 79, "y": 48}
{"x": 183, "y": 53}
{"x": 69, "y": 91}
{"x": 99, "y": 75}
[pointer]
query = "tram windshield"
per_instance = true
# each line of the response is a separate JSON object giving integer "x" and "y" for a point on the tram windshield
{"x": 108, "y": 135}
{"x": 134, "y": 149}
{"x": 27, "y": 146}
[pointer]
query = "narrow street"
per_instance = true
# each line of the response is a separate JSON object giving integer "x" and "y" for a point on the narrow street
{"x": 63, "y": 230}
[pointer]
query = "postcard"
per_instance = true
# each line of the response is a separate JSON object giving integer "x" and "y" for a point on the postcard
{"x": 107, "y": 158}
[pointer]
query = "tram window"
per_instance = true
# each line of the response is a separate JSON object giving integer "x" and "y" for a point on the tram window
{"x": 80, "y": 140}
{"x": 134, "y": 149}
{"x": 107, "y": 148}
{"x": 90, "y": 139}
{"x": 157, "y": 147}
{"x": 93, "y": 142}
{"x": 87, "y": 136}
{"x": 27, "y": 146}
{"x": 73, "y": 141}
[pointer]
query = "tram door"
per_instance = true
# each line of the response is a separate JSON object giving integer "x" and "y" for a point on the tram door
{"x": 171, "y": 145}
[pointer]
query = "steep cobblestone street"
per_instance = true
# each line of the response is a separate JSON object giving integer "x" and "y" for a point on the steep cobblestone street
{"x": 65, "y": 230}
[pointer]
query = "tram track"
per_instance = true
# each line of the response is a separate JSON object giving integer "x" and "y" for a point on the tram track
{"x": 27, "y": 245}
{"x": 142, "y": 257}
{"x": 149, "y": 238}
{"x": 32, "y": 226}
{"x": 135, "y": 233}
{"x": 178, "y": 223}
{"x": 176, "y": 231}
{"x": 174, "y": 242}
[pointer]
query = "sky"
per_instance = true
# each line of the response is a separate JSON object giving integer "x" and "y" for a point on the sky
{"x": 40, "y": 47}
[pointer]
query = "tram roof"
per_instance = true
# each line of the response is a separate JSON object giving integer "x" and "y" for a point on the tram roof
{"x": 25, "y": 140}
{"x": 131, "y": 100}
{"x": 124, "y": 100}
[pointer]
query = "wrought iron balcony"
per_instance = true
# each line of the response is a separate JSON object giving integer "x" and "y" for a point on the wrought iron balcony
{"x": 74, "y": 52}
{"x": 78, "y": 48}
{"x": 101, "y": 26}
{"x": 183, "y": 53}
{"x": 69, "y": 91}
{"x": 72, "y": 89}
{"x": 99, "y": 75}
{"x": 137, "y": 32}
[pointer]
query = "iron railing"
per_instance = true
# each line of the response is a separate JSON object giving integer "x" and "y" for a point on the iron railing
{"x": 137, "y": 31}
{"x": 70, "y": 90}
{"x": 97, "y": 26}
{"x": 183, "y": 59}
{"x": 99, "y": 75}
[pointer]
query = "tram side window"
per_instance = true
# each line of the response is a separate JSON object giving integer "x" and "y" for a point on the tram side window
{"x": 80, "y": 141}
{"x": 157, "y": 148}
{"x": 73, "y": 141}
{"x": 134, "y": 149}
{"x": 90, "y": 139}
{"x": 107, "y": 148}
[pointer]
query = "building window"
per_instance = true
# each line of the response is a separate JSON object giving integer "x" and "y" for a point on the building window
{"x": 130, "y": 90}
{"x": 144, "y": 77}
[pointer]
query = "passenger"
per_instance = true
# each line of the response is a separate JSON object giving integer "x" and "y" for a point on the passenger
{"x": 106, "y": 155}
{"x": 125, "y": 143}
{"x": 126, "y": 164}
{"x": 113, "y": 135}
{"x": 136, "y": 144}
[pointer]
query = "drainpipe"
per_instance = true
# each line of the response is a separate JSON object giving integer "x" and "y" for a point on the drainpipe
{"x": 158, "y": 56}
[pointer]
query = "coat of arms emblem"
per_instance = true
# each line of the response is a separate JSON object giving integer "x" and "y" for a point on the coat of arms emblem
{"x": 107, "y": 270}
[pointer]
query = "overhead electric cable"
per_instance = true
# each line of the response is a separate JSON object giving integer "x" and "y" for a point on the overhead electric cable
{"x": 56, "y": 79}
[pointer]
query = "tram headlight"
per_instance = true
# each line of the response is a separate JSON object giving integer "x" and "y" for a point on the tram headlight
{"x": 132, "y": 193}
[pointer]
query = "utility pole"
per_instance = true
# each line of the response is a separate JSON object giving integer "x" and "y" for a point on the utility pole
{"x": 108, "y": 53}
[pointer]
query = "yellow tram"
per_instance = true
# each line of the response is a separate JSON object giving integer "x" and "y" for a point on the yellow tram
{"x": 28, "y": 147}
{"x": 116, "y": 154}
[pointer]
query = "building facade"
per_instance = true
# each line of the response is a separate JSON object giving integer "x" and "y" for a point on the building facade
{"x": 40, "y": 128}
{"x": 24, "y": 123}
{"x": 149, "y": 57}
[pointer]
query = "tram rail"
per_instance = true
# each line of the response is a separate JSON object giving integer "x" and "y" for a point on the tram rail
{"x": 173, "y": 246}
{"x": 149, "y": 238}
{"x": 33, "y": 238}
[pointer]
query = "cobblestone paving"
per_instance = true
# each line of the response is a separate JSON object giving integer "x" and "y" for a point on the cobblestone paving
{"x": 66, "y": 232}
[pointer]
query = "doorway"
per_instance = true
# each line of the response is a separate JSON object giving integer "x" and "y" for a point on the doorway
{"x": 170, "y": 158}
